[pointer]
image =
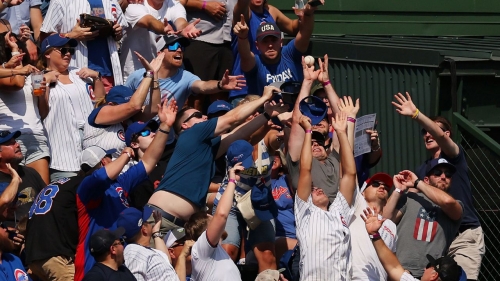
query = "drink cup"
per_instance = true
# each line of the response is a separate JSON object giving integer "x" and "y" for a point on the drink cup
{"x": 36, "y": 81}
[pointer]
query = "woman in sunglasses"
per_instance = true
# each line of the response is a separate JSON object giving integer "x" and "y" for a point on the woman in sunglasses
{"x": 21, "y": 109}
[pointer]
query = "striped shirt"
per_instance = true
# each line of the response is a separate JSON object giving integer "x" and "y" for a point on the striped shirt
{"x": 259, "y": 173}
{"x": 69, "y": 105}
{"x": 325, "y": 239}
{"x": 148, "y": 264}
{"x": 61, "y": 18}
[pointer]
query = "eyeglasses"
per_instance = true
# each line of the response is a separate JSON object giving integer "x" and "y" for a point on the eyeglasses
{"x": 424, "y": 131}
{"x": 65, "y": 50}
{"x": 121, "y": 241}
{"x": 174, "y": 46}
{"x": 438, "y": 173}
{"x": 196, "y": 115}
{"x": 377, "y": 184}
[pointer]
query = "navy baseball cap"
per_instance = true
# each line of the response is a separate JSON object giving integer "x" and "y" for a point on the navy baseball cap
{"x": 102, "y": 239}
{"x": 56, "y": 40}
{"x": 240, "y": 151}
{"x": 268, "y": 29}
{"x": 6, "y": 136}
{"x": 439, "y": 162}
{"x": 263, "y": 203}
{"x": 137, "y": 127}
{"x": 218, "y": 106}
{"x": 314, "y": 108}
{"x": 447, "y": 268}
{"x": 131, "y": 219}
{"x": 169, "y": 39}
{"x": 119, "y": 94}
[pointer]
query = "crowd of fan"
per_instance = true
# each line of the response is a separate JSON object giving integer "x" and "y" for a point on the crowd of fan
{"x": 184, "y": 141}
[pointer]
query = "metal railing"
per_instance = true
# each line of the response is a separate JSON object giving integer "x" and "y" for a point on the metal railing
{"x": 483, "y": 158}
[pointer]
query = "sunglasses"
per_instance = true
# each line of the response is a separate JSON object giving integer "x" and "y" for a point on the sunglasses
{"x": 424, "y": 131}
{"x": 145, "y": 133}
{"x": 377, "y": 184}
{"x": 173, "y": 47}
{"x": 65, "y": 50}
{"x": 196, "y": 115}
{"x": 438, "y": 173}
{"x": 121, "y": 241}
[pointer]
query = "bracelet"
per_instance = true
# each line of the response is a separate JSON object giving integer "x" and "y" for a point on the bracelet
{"x": 99, "y": 77}
{"x": 398, "y": 190}
{"x": 129, "y": 156}
{"x": 309, "y": 131}
{"x": 268, "y": 117}
{"x": 163, "y": 131}
{"x": 326, "y": 83}
{"x": 374, "y": 150}
{"x": 14, "y": 53}
{"x": 241, "y": 38}
{"x": 350, "y": 119}
{"x": 157, "y": 234}
{"x": 218, "y": 85}
{"x": 233, "y": 181}
{"x": 416, "y": 183}
{"x": 415, "y": 115}
{"x": 149, "y": 74}
{"x": 3, "y": 65}
{"x": 204, "y": 4}
{"x": 375, "y": 236}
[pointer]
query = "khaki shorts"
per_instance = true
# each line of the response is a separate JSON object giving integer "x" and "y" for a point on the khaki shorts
{"x": 468, "y": 248}
{"x": 54, "y": 269}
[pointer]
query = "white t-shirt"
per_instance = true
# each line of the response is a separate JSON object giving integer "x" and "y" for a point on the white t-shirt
{"x": 324, "y": 239}
{"x": 407, "y": 277}
{"x": 141, "y": 39}
{"x": 148, "y": 264}
{"x": 366, "y": 265}
{"x": 19, "y": 110}
{"x": 211, "y": 264}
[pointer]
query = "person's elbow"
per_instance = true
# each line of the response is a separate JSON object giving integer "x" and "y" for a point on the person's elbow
{"x": 221, "y": 214}
{"x": 134, "y": 107}
{"x": 5, "y": 201}
{"x": 456, "y": 210}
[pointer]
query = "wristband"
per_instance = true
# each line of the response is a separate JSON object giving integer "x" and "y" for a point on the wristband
{"x": 204, "y": 4}
{"x": 268, "y": 117}
{"x": 233, "y": 181}
{"x": 375, "y": 236}
{"x": 326, "y": 83}
{"x": 157, "y": 235}
{"x": 416, "y": 183}
{"x": 309, "y": 131}
{"x": 14, "y": 53}
{"x": 415, "y": 115}
{"x": 350, "y": 119}
{"x": 398, "y": 190}
{"x": 149, "y": 74}
{"x": 163, "y": 131}
{"x": 218, "y": 85}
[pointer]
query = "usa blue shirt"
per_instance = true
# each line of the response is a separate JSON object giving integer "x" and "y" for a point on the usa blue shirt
{"x": 289, "y": 68}
{"x": 100, "y": 200}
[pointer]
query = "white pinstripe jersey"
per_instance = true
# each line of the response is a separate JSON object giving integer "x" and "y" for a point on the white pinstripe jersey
{"x": 111, "y": 137}
{"x": 70, "y": 106}
{"x": 61, "y": 17}
{"x": 148, "y": 264}
{"x": 325, "y": 239}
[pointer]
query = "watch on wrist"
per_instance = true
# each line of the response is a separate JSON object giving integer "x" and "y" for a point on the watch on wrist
{"x": 416, "y": 183}
{"x": 375, "y": 236}
{"x": 99, "y": 76}
{"x": 149, "y": 74}
{"x": 158, "y": 235}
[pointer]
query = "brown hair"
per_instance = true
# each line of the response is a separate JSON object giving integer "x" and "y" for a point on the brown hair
{"x": 196, "y": 224}
{"x": 179, "y": 120}
{"x": 446, "y": 124}
{"x": 42, "y": 62}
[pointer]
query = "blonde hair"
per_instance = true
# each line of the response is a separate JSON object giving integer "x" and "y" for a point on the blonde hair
{"x": 99, "y": 102}
{"x": 247, "y": 99}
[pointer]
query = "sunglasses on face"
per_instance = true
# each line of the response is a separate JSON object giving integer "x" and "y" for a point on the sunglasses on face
{"x": 121, "y": 241}
{"x": 377, "y": 184}
{"x": 173, "y": 47}
{"x": 65, "y": 50}
{"x": 145, "y": 133}
{"x": 196, "y": 115}
{"x": 438, "y": 173}
{"x": 424, "y": 131}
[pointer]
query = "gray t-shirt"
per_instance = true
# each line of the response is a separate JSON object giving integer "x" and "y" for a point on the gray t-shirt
{"x": 423, "y": 229}
{"x": 324, "y": 175}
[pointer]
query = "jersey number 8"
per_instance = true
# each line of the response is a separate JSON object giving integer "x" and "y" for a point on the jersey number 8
{"x": 44, "y": 200}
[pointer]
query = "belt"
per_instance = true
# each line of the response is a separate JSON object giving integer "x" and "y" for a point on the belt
{"x": 173, "y": 219}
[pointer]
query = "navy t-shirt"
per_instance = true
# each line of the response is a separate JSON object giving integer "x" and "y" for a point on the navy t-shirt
{"x": 460, "y": 186}
{"x": 98, "y": 51}
{"x": 289, "y": 68}
{"x": 192, "y": 165}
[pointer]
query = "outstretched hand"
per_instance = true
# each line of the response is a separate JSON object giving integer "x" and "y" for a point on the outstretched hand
{"x": 309, "y": 72}
{"x": 240, "y": 29}
{"x": 231, "y": 82}
{"x": 154, "y": 65}
{"x": 346, "y": 105}
{"x": 404, "y": 105}
{"x": 167, "y": 111}
{"x": 190, "y": 31}
{"x": 305, "y": 122}
{"x": 372, "y": 222}
{"x": 339, "y": 123}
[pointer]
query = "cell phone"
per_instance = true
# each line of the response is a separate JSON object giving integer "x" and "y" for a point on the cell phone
{"x": 314, "y": 3}
{"x": 12, "y": 234}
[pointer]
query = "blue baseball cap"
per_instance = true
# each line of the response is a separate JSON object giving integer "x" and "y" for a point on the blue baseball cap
{"x": 314, "y": 108}
{"x": 439, "y": 162}
{"x": 56, "y": 40}
{"x": 131, "y": 219}
{"x": 6, "y": 136}
{"x": 218, "y": 106}
{"x": 263, "y": 202}
{"x": 240, "y": 151}
{"x": 119, "y": 94}
{"x": 137, "y": 127}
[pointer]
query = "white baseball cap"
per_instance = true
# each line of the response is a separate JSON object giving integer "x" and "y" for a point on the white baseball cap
{"x": 92, "y": 155}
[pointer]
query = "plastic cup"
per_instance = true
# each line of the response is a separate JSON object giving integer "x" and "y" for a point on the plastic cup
{"x": 36, "y": 81}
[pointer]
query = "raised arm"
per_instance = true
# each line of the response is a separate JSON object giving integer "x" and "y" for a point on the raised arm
{"x": 114, "y": 168}
{"x": 10, "y": 192}
{"x": 390, "y": 211}
{"x": 286, "y": 25}
{"x": 227, "y": 83}
{"x": 242, "y": 7}
{"x": 153, "y": 153}
{"x": 448, "y": 204}
{"x": 110, "y": 115}
{"x": 247, "y": 57}
{"x": 296, "y": 132}
{"x": 348, "y": 181}
{"x": 405, "y": 106}
{"x": 152, "y": 24}
{"x": 304, "y": 184}
{"x": 387, "y": 258}
{"x": 306, "y": 27}
{"x": 351, "y": 110}
{"x": 217, "y": 225}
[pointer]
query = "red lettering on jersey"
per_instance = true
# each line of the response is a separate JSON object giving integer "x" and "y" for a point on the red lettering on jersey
{"x": 277, "y": 192}
{"x": 389, "y": 231}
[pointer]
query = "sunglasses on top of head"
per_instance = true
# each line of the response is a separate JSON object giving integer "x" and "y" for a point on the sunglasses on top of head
{"x": 438, "y": 173}
{"x": 65, "y": 50}
{"x": 174, "y": 46}
{"x": 196, "y": 114}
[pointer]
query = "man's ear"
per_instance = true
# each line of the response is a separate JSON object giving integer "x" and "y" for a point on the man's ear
{"x": 426, "y": 180}
{"x": 103, "y": 163}
{"x": 171, "y": 253}
{"x": 134, "y": 145}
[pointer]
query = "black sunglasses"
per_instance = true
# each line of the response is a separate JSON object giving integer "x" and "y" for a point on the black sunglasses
{"x": 65, "y": 50}
{"x": 438, "y": 173}
{"x": 196, "y": 114}
{"x": 377, "y": 184}
{"x": 424, "y": 131}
